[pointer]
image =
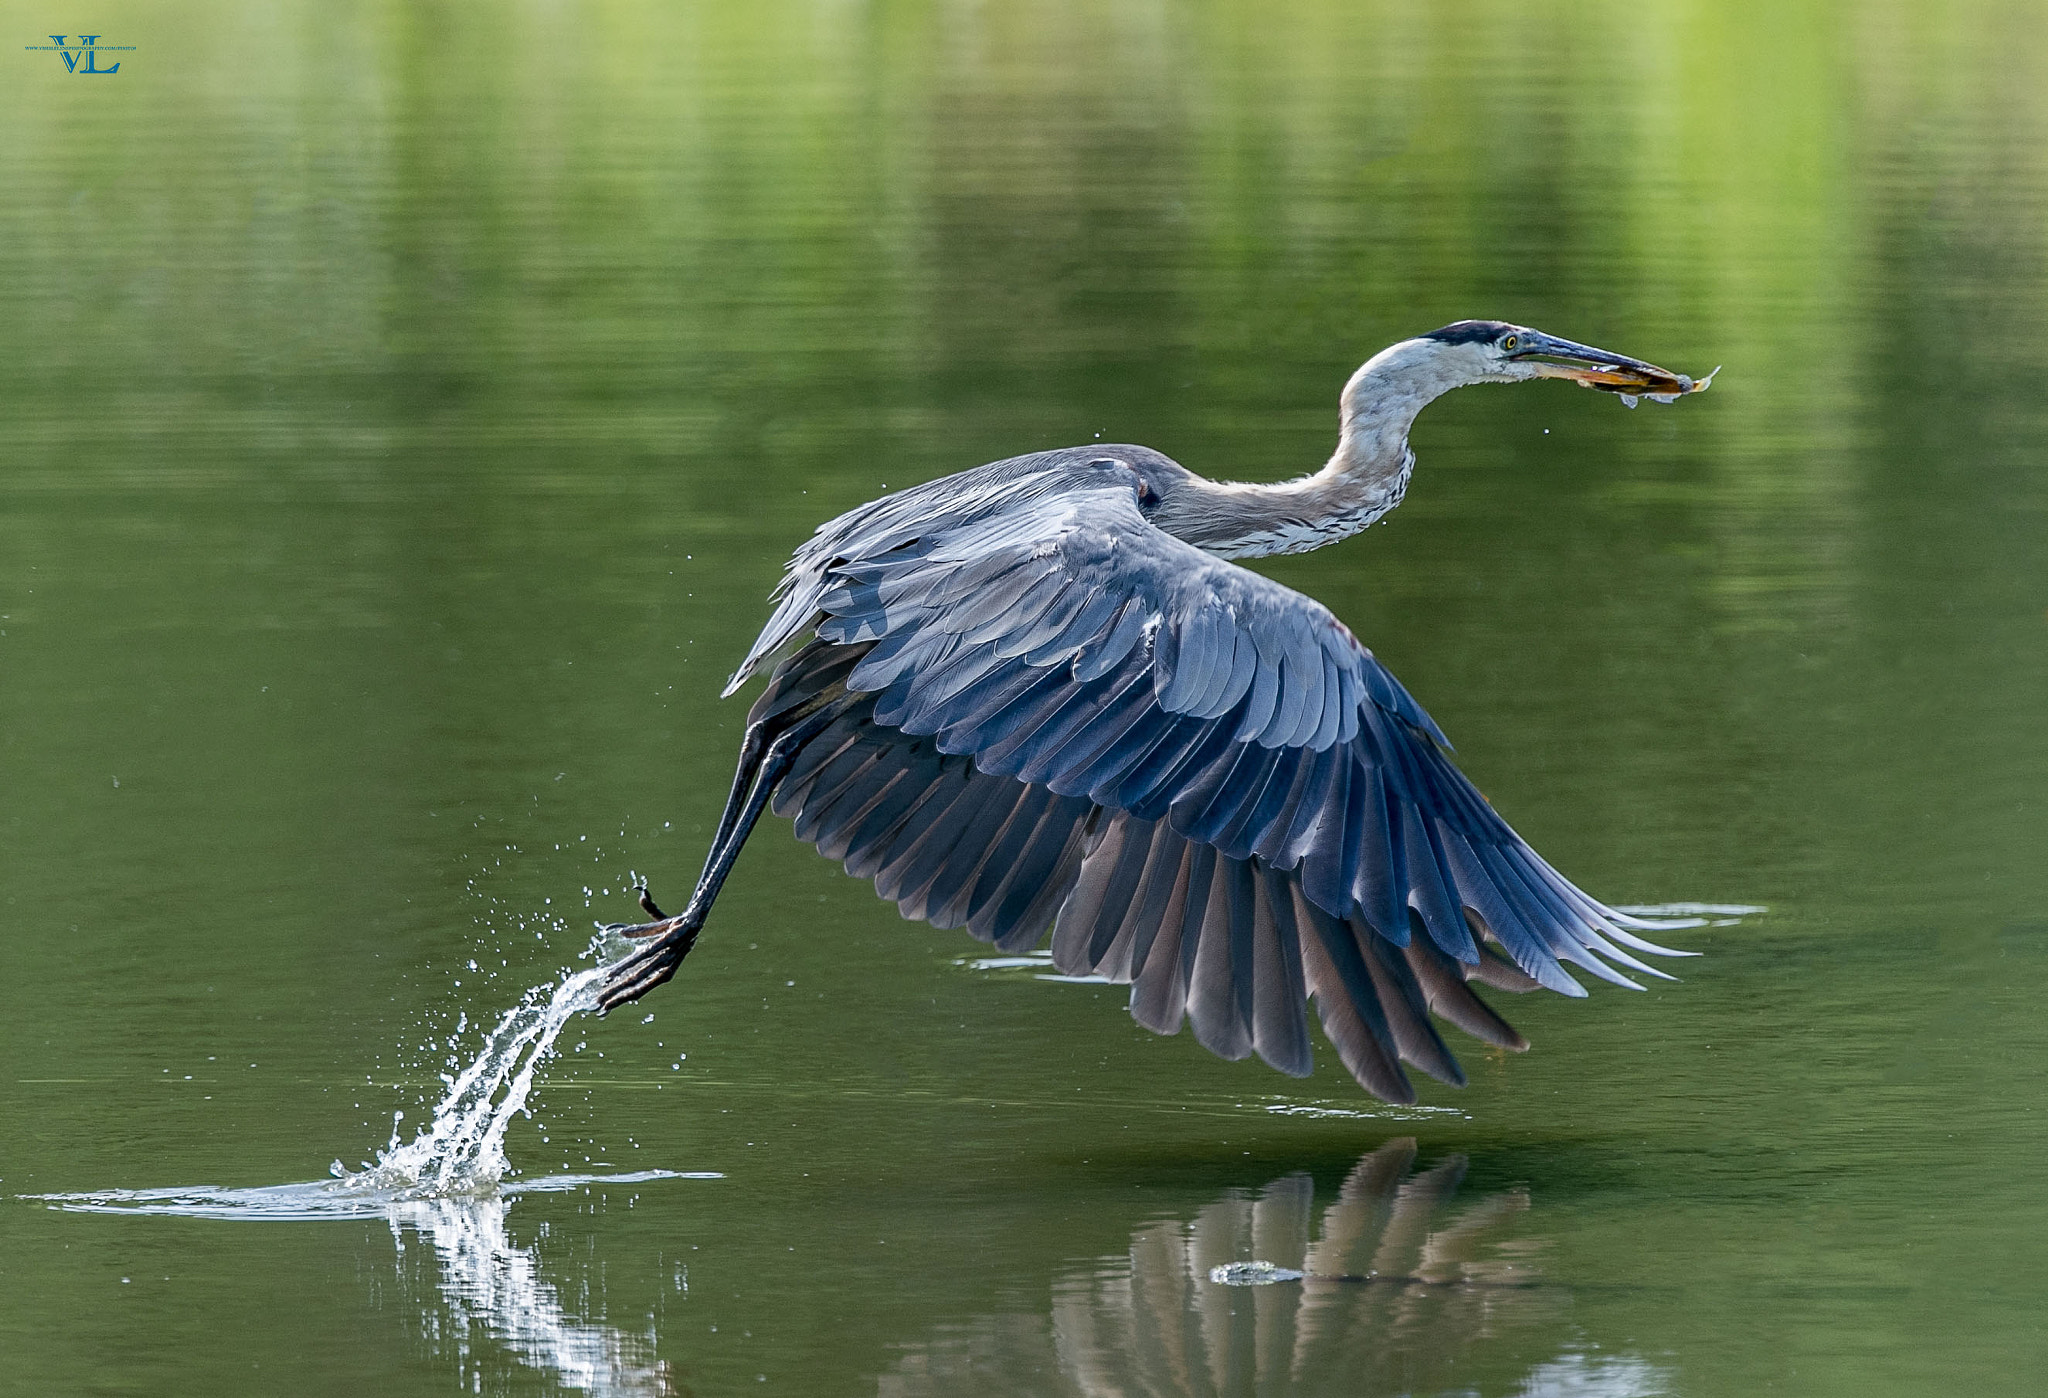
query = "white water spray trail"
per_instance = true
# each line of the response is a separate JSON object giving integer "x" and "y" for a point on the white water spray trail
{"x": 462, "y": 1149}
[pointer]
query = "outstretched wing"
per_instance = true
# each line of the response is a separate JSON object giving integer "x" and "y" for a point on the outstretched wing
{"x": 1200, "y": 775}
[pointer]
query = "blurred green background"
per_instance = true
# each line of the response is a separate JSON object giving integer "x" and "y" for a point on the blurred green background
{"x": 404, "y": 410}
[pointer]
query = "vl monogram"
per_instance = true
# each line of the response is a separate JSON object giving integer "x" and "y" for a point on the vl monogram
{"x": 82, "y": 57}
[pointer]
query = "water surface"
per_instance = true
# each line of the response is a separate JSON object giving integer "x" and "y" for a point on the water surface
{"x": 405, "y": 413}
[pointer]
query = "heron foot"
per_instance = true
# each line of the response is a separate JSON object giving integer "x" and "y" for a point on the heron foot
{"x": 665, "y": 942}
{"x": 662, "y": 921}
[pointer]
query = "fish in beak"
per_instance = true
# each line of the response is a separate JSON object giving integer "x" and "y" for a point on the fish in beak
{"x": 1612, "y": 373}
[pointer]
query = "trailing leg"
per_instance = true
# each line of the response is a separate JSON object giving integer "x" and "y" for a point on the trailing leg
{"x": 771, "y": 745}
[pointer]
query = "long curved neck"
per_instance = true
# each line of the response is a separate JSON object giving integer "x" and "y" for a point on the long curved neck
{"x": 1364, "y": 478}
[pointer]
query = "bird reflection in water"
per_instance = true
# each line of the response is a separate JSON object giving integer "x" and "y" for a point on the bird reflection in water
{"x": 1394, "y": 1287}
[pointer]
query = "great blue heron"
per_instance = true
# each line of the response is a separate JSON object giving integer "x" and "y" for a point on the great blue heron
{"x": 1037, "y": 694}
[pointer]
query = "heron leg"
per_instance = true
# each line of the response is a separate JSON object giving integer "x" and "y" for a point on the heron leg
{"x": 759, "y": 734}
{"x": 771, "y": 746}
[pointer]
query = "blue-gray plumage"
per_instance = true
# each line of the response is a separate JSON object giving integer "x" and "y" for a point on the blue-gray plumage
{"x": 1037, "y": 694}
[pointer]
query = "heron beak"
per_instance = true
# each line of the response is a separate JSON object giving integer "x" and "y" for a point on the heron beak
{"x": 1611, "y": 373}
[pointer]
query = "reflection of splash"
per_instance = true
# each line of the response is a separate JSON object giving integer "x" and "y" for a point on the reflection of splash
{"x": 494, "y": 1289}
{"x": 1395, "y": 1295}
{"x": 484, "y": 1295}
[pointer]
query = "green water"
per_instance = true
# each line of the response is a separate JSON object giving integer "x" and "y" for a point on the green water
{"x": 404, "y": 410}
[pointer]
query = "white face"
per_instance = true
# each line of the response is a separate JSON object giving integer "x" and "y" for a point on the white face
{"x": 1424, "y": 369}
{"x": 1489, "y": 361}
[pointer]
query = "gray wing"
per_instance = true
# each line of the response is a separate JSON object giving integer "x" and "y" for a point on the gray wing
{"x": 1199, "y": 775}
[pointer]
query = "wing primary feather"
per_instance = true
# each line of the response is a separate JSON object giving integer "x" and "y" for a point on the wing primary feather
{"x": 854, "y": 781}
{"x": 1026, "y": 908}
{"x": 948, "y": 864}
{"x": 1589, "y": 931}
{"x": 1045, "y": 866}
{"x": 1407, "y": 1010}
{"x": 1220, "y": 976}
{"x": 1159, "y": 985}
{"x": 1429, "y": 888}
{"x": 1431, "y": 880}
{"x": 928, "y": 822}
{"x": 1121, "y": 892}
{"x": 1150, "y": 908}
{"x": 995, "y": 838}
{"x": 864, "y": 812}
{"x": 1348, "y": 1004}
{"x": 1598, "y": 915}
{"x": 1479, "y": 892}
{"x": 1493, "y": 968}
{"x": 1562, "y": 939}
{"x": 1450, "y": 998}
{"x": 1279, "y": 992}
{"x": 1073, "y": 933}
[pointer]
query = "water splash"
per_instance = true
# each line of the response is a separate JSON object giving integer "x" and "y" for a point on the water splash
{"x": 460, "y": 1154}
{"x": 462, "y": 1150}
{"x": 1252, "y": 1274}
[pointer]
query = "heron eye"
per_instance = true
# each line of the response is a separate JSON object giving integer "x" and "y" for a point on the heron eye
{"x": 1510, "y": 342}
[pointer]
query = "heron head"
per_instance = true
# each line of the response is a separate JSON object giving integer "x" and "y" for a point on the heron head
{"x": 1492, "y": 351}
